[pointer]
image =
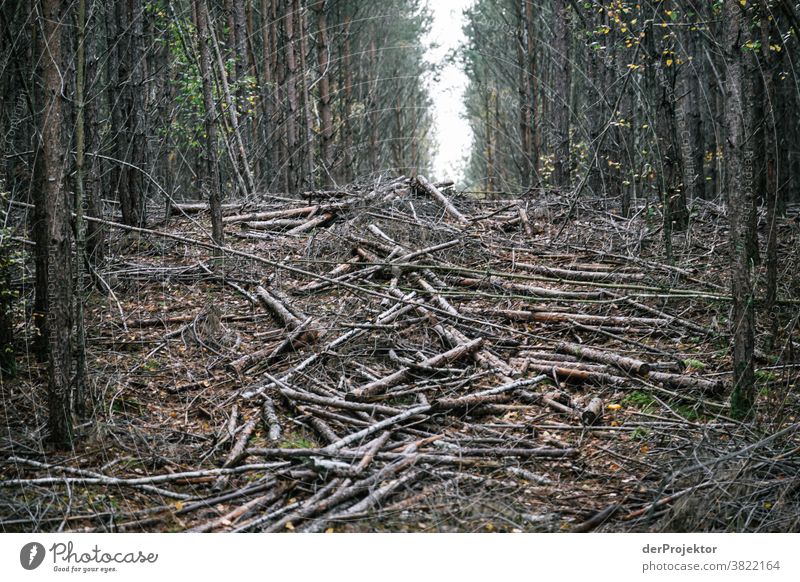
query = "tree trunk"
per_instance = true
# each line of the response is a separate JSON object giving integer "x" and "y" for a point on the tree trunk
{"x": 524, "y": 90}
{"x": 302, "y": 23}
{"x": 291, "y": 96}
{"x": 279, "y": 150}
{"x": 770, "y": 60}
{"x": 374, "y": 156}
{"x": 347, "y": 122}
{"x": 211, "y": 178}
{"x": 119, "y": 104}
{"x": 80, "y": 386}
{"x": 95, "y": 232}
{"x": 137, "y": 119}
{"x": 246, "y": 181}
{"x": 532, "y": 90}
{"x": 267, "y": 127}
{"x": 242, "y": 67}
{"x": 491, "y": 185}
{"x": 326, "y": 117}
{"x": 691, "y": 138}
{"x": 561, "y": 85}
{"x": 55, "y": 254}
{"x": 740, "y": 201}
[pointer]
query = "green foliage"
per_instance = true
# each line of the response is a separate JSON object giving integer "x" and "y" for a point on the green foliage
{"x": 296, "y": 441}
{"x": 765, "y": 376}
{"x": 694, "y": 364}
{"x": 689, "y": 412}
{"x": 640, "y": 400}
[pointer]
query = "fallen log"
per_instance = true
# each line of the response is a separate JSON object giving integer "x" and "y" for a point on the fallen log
{"x": 561, "y": 361}
{"x": 529, "y": 476}
{"x": 484, "y": 396}
{"x": 283, "y": 312}
{"x": 672, "y": 319}
{"x": 539, "y": 453}
{"x": 270, "y": 419}
{"x": 230, "y": 518}
{"x": 275, "y": 224}
{"x": 597, "y": 519}
{"x": 311, "y": 224}
{"x": 577, "y": 376}
{"x": 593, "y": 413}
{"x": 292, "y": 395}
{"x": 584, "y": 276}
{"x": 323, "y": 501}
{"x": 687, "y": 382}
{"x": 271, "y": 214}
{"x": 624, "y": 363}
{"x": 559, "y": 406}
{"x": 198, "y": 207}
{"x": 558, "y": 316}
{"x": 323, "y": 429}
{"x": 299, "y": 336}
{"x": 386, "y": 317}
{"x": 483, "y": 357}
{"x": 363, "y": 507}
{"x": 372, "y": 269}
{"x": 377, "y": 427}
{"x": 382, "y": 384}
{"x": 526, "y": 224}
{"x": 237, "y": 452}
{"x": 422, "y": 183}
{"x": 529, "y": 290}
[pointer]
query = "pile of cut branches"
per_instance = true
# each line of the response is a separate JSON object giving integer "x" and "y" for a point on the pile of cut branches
{"x": 394, "y": 357}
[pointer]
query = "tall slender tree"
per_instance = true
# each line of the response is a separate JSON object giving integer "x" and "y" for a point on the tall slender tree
{"x": 53, "y": 248}
{"x": 211, "y": 178}
{"x": 739, "y": 185}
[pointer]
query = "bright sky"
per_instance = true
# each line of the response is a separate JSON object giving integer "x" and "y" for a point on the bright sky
{"x": 453, "y": 134}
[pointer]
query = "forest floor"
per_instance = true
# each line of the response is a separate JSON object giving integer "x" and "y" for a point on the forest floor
{"x": 371, "y": 361}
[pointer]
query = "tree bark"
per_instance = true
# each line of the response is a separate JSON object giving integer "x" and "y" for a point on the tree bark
{"x": 524, "y": 90}
{"x": 55, "y": 255}
{"x": 246, "y": 175}
{"x": 374, "y": 155}
{"x": 308, "y": 149}
{"x": 532, "y": 89}
{"x": 137, "y": 119}
{"x": 326, "y": 117}
{"x": 211, "y": 179}
{"x": 738, "y": 161}
{"x": 562, "y": 74}
{"x": 242, "y": 67}
{"x": 291, "y": 96}
{"x": 347, "y": 109}
{"x": 81, "y": 203}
